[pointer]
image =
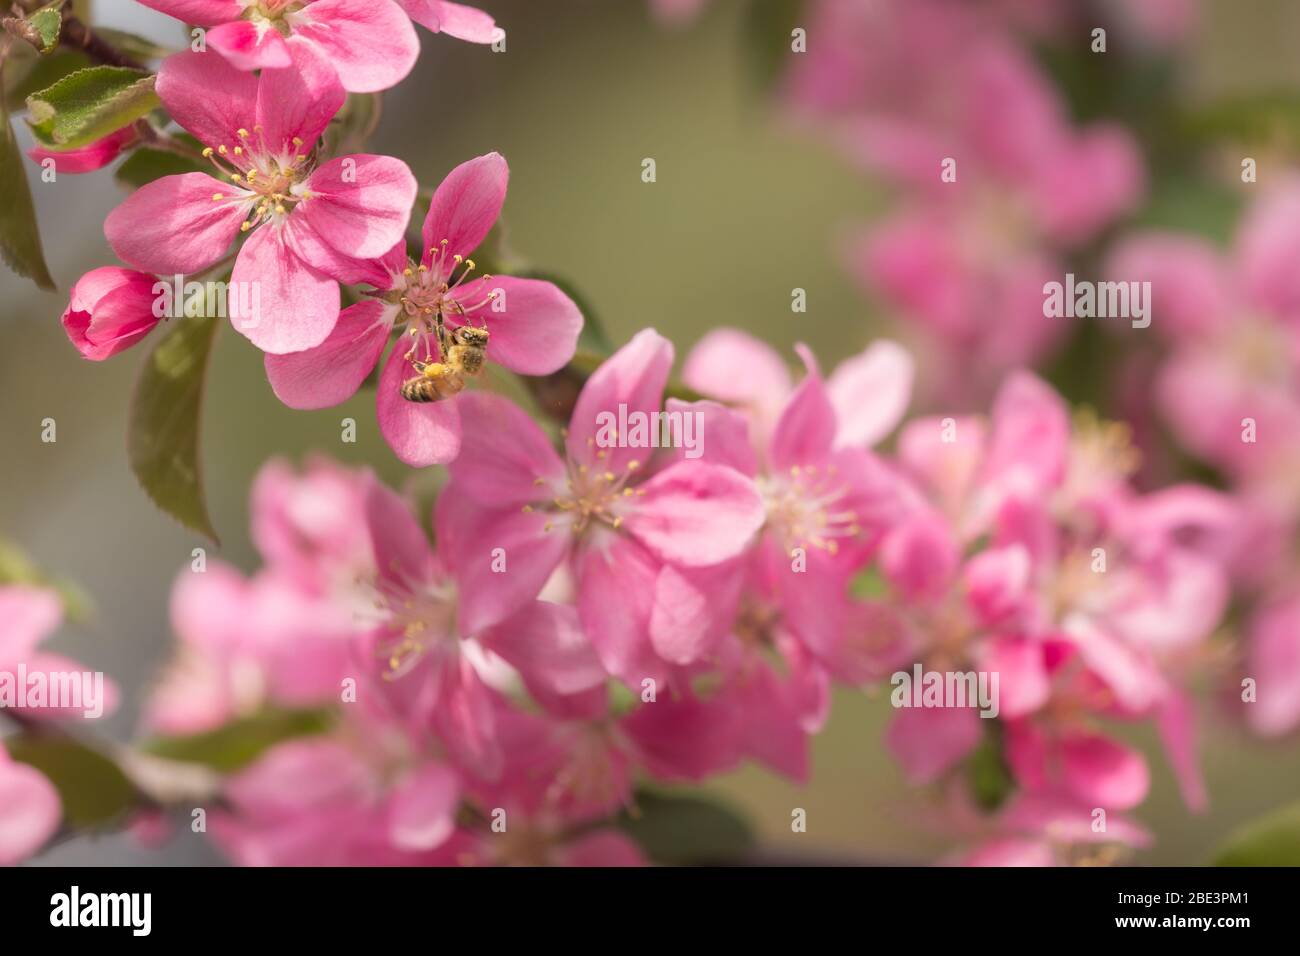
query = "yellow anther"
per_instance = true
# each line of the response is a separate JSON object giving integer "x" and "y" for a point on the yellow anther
{"x": 222, "y": 150}
{"x": 235, "y": 177}
{"x": 297, "y": 141}
{"x": 423, "y": 268}
{"x": 279, "y": 209}
{"x": 458, "y": 258}
{"x": 469, "y": 264}
{"x": 207, "y": 152}
{"x": 239, "y": 151}
{"x": 633, "y": 465}
{"x": 245, "y": 226}
{"x": 243, "y": 133}
{"x": 217, "y": 197}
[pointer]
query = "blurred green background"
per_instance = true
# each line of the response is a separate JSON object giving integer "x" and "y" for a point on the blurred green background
{"x": 743, "y": 211}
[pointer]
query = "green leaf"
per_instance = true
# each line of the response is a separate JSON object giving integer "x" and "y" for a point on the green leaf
{"x": 681, "y": 830}
{"x": 94, "y": 791}
{"x": 237, "y": 744}
{"x": 26, "y": 72}
{"x": 20, "y": 237}
{"x": 1272, "y": 840}
{"x": 89, "y": 104}
{"x": 47, "y": 22}
{"x": 163, "y": 432}
{"x": 145, "y": 165}
{"x": 987, "y": 772}
{"x": 136, "y": 47}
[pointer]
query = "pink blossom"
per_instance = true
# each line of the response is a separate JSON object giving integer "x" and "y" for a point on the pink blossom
{"x": 1232, "y": 324}
{"x": 30, "y": 808}
{"x": 109, "y": 310}
{"x": 630, "y": 523}
{"x": 329, "y": 802}
{"x": 1081, "y": 594}
{"x": 370, "y": 44}
{"x": 92, "y": 156}
{"x": 533, "y": 327}
{"x": 307, "y": 222}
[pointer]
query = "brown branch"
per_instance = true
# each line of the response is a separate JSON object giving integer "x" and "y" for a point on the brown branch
{"x": 77, "y": 34}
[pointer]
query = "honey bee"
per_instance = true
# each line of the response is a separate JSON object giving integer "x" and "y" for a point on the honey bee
{"x": 464, "y": 353}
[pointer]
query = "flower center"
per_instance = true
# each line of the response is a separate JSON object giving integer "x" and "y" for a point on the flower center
{"x": 270, "y": 181}
{"x": 414, "y": 616}
{"x": 590, "y": 494}
{"x": 440, "y": 289}
{"x": 805, "y": 509}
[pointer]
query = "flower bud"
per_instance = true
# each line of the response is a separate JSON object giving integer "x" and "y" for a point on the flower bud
{"x": 110, "y": 310}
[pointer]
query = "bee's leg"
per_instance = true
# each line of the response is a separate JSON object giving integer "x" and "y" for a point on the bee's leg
{"x": 444, "y": 345}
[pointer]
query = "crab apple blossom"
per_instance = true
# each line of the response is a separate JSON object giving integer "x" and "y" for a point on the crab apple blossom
{"x": 307, "y": 221}
{"x": 369, "y": 43}
{"x": 109, "y": 310}
{"x": 827, "y": 501}
{"x": 30, "y": 808}
{"x": 630, "y": 523}
{"x": 999, "y": 571}
{"x": 532, "y": 326}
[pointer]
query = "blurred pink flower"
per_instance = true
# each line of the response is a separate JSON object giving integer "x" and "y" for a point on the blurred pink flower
{"x": 454, "y": 19}
{"x": 630, "y": 522}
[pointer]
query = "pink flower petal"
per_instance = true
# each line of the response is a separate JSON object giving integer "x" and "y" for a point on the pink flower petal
{"x": 422, "y": 808}
{"x": 619, "y": 630}
{"x": 503, "y": 452}
{"x": 173, "y": 226}
{"x": 332, "y": 372}
{"x": 298, "y": 101}
{"x": 30, "y": 810}
{"x": 1104, "y": 773}
{"x": 296, "y": 307}
{"x": 696, "y": 514}
{"x": 805, "y": 432}
{"x": 536, "y": 330}
{"x": 1023, "y": 682}
{"x": 634, "y": 376}
{"x": 371, "y": 43}
{"x": 401, "y": 550}
{"x": 494, "y": 585}
{"x": 601, "y": 848}
{"x": 454, "y": 19}
{"x": 466, "y": 205}
{"x": 247, "y": 47}
{"x": 361, "y": 204}
{"x": 1274, "y": 663}
{"x": 545, "y": 643}
{"x": 928, "y": 741}
{"x": 734, "y": 367}
{"x": 202, "y": 13}
{"x": 870, "y": 392}
{"x": 208, "y": 96}
{"x": 1176, "y": 722}
{"x": 420, "y": 434}
{"x": 28, "y": 614}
